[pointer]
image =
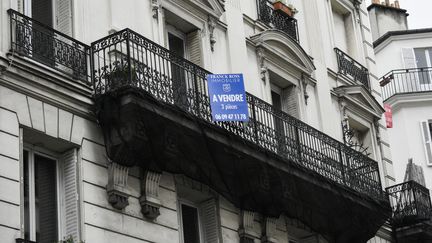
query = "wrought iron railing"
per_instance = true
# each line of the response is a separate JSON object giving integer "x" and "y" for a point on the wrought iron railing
{"x": 410, "y": 203}
{"x": 48, "y": 46}
{"x": 406, "y": 81}
{"x": 277, "y": 20}
{"x": 127, "y": 59}
{"x": 350, "y": 67}
{"x": 24, "y": 241}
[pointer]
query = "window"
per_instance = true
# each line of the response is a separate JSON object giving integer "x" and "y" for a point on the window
{"x": 357, "y": 136}
{"x": 191, "y": 232}
{"x": 56, "y": 14}
{"x": 198, "y": 212}
{"x": 51, "y": 208}
{"x": 284, "y": 95}
{"x": 426, "y": 130}
{"x": 183, "y": 40}
{"x": 423, "y": 58}
{"x": 343, "y": 28}
{"x": 40, "y": 197}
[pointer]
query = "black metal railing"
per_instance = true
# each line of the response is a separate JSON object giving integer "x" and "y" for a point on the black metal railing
{"x": 277, "y": 20}
{"x": 350, "y": 67}
{"x": 410, "y": 203}
{"x": 127, "y": 59}
{"x": 24, "y": 241}
{"x": 48, "y": 46}
{"x": 406, "y": 81}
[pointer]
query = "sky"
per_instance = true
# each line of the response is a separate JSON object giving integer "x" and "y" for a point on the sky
{"x": 419, "y": 13}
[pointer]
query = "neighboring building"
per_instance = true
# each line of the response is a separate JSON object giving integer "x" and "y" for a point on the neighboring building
{"x": 404, "y": 61}
{"x": 106, "y": 132}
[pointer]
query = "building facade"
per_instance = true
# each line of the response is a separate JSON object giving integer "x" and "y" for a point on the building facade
{"x": 106, "y": 132}
{"x": 404, "y": 65}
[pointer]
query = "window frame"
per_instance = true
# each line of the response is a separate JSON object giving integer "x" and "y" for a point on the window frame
{"x": 171, "y": 29}
{"x": 180, "y": 218}
{"x": 32, "y": 151}
{"x": 425, "y": 143}
{"x": 28, "y": 10}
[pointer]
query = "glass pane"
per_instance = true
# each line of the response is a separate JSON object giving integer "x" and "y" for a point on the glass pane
{"x": 45, "y": 200}
{"x": 421, "y": 59}
{"x": 190, "y": 224}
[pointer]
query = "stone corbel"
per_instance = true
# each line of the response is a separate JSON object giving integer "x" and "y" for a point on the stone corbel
{"x": 269, "y": 231}
{"x": 149, "y": 199}
{"x": 377, "y": 129}
{"x": 304, "y": 84}
{"x": 212, "y": 22}
{"x": 118, "y": 193}
{"x": 261, "y": 62}
{"x": 155, "y": 5}
{"x": 245, "y": 231}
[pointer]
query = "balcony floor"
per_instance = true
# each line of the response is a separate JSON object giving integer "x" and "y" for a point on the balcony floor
{"x": 139, "y": 130}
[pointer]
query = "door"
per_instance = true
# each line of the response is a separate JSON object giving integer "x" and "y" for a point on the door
{"x": 42, "y": 37}
{"x": 178, "y": 75}
{"x": 278, "y": 122}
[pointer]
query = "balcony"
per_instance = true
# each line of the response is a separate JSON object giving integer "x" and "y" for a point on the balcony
{"x": 47, "y": 46}
{"x": 406, "y": 81}
{"x": 23, "y": 241}
{"x": 154, "y": 110}
{"x": 412, "y": 212}
{"x": 352, "y": 69}
{"x": 277, "y": 20}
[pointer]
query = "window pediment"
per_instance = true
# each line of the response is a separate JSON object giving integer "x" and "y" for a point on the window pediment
{"x": 197, "y": 7}
{"x": 360, "y": 99}
{"x": 284, "y": 49}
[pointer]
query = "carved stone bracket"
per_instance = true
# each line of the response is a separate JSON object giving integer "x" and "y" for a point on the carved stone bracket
{"x": 118, "y": 193}
{"x": 155, "y": 5}
{"x": 211, "y": 26}
{"x": 304, "y": 84}
{"x": 245, "y": 231}
{"x": 269, "y": 231}
{"x": 149, "y": 199}
{"x": 261, "y": 62}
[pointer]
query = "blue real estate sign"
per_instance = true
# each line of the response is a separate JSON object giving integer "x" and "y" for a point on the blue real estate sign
{"x": 227, "y": 97}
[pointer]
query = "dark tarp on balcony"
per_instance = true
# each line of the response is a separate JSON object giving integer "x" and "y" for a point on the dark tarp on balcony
{"x": 140, "y": 130}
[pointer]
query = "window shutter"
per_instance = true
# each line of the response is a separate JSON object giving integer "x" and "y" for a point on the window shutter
{"x": 210, "y": 221}
{"x": 193, "y": 42}
{"x": 290, "y": 101}
{"x": 409, "y": 58}
{"x": 64, "y": 16}
{"x": 70, "y": 183}
{"x": 426, "y": 134}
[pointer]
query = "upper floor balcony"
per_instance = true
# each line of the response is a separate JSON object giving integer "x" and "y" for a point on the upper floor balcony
{"x": 154, "y": 110}
{"x": 406, "y": 81}
{"x": 412, "y": 211}
{"x": 277, "y": 19}
{"x": 47, "y": 46}
{"x": 351, "y": 68}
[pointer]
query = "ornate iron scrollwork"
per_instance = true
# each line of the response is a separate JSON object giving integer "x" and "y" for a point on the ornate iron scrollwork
{"x": 352, "y": 138}
{"x": 176, "y": 81}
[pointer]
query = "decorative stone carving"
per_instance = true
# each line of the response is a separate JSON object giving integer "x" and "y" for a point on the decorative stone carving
{"x": 269, "y": 231}
{"x": 246, "y": 227}
{"x": 118, "y": 193}
{"x": 155, "y": 5}
{"x": 261, "y": 62}
{"x": 149, "y": 199}
{"x": 211, "y": 26}
{"x": 304, "y": 83}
